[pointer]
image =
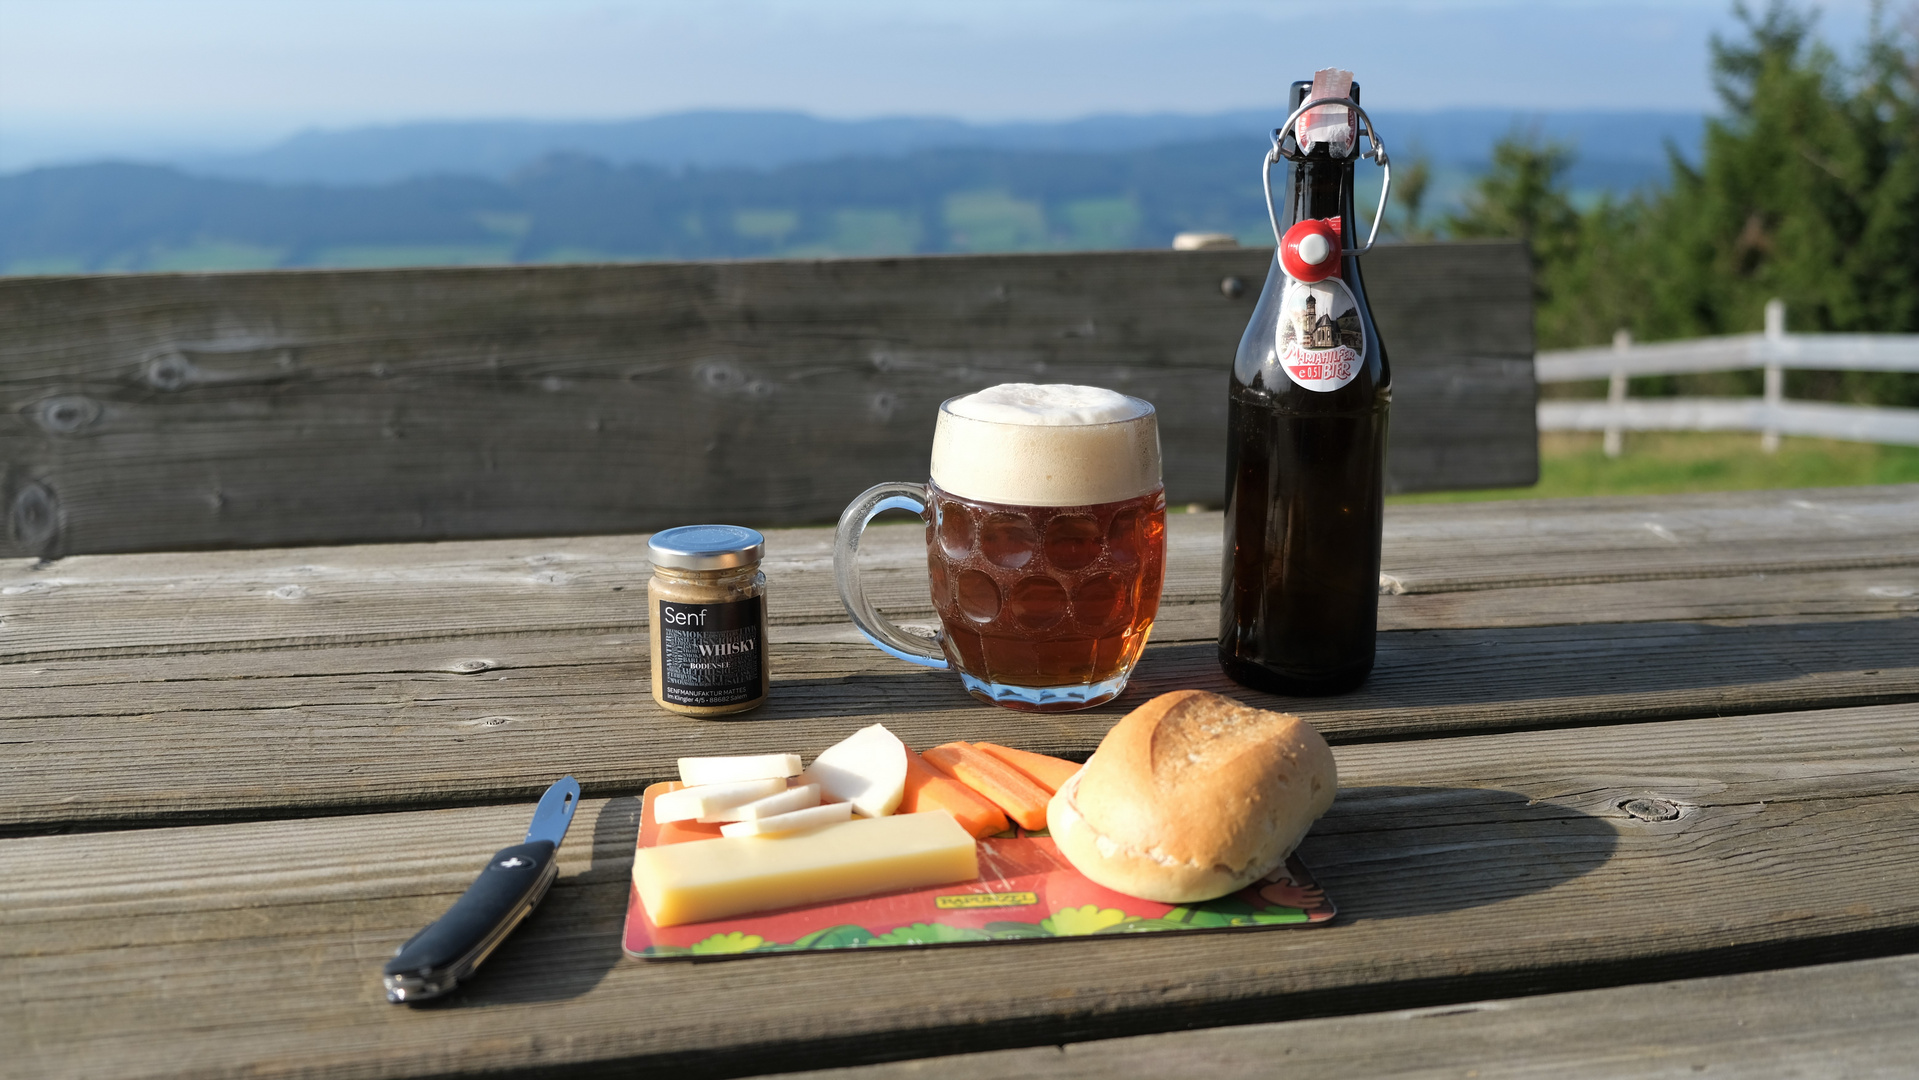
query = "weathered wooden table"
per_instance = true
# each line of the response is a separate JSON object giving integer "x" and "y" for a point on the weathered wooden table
{"x": 1608, "y": 744}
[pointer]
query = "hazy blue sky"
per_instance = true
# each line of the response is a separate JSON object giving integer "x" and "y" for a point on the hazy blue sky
{"x": 87, "y": 76}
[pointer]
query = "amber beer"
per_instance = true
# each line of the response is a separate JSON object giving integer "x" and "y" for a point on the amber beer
{"x": 1045, "y": 544}
{"x": 1046, "y": 596}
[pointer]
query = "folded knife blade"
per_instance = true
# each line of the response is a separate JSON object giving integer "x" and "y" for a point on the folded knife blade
{"x": 444, "y": 955}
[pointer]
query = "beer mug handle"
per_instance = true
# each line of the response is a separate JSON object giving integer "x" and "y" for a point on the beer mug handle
{"x": 889, "y": 638}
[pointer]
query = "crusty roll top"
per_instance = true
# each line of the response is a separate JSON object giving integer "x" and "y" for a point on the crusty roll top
{"x": 1198, "y": 788}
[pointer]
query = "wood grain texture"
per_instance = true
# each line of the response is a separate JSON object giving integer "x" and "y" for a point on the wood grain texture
{"x": 153, "y": 412}
{"x": 1569, "y": 541}
{"x": 1464, "y": 868}
{"x": 179, "y": 602}
{"x": 1858, "y": 1019}
{"x": 250, "y": 684}
{"x": 123, "y": 741}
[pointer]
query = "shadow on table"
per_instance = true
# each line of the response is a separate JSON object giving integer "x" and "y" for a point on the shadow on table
{"x": 1381, "y": 853}
{"x": 573, "y": 938}
{"x": 1439, "y": 681}
{"x": 1443, "y": 681}
{"x": 909, "y": 689}
{"x": 1393, "y": 852}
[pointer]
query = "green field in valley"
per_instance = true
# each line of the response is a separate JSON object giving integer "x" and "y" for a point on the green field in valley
{"x": 1656, "y": 463}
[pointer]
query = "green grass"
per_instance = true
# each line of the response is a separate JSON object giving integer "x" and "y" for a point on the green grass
{"x": 559, "y": 255}
{"x": 216, "y": 255}
{"x": 1103, "y": 223}
{"x": 995, "y": 221}
{"x": 1657, "y": 463}
{"x": 770, "y": 225}
{"x": 511, "y": 226}
{"x": 386, "y": 256}
{"x": 863, "y": 232}
{"x": 48, "y": 264}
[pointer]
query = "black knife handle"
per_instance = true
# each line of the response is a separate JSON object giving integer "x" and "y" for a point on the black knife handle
{"x": 444, "y": 954}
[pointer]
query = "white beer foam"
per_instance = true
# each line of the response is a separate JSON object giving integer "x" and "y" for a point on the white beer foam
{"x": 1046, "y": 445}
{"x": 1048, "y": 404}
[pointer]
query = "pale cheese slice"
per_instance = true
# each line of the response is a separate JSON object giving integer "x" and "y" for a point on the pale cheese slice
{"x": 726, "y": 770}
{"x": 793, "y": 821}
{"x": 702, "y": 880}
{"x": 793, "y": 798}
{"x": 867, "y": 769}
{"x": 690, "y": 804}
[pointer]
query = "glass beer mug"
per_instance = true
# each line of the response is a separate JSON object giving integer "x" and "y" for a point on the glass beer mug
{"x": 1045, "y": 543}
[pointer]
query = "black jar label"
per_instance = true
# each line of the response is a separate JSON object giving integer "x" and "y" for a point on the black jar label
{"x": 711, "y": 655}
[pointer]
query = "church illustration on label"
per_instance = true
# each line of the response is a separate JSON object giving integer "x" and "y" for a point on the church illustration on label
{"x": 1321, "y": 342}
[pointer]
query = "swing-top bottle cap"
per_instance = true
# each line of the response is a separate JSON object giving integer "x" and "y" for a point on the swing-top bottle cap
{"x": 1310, "y": 251}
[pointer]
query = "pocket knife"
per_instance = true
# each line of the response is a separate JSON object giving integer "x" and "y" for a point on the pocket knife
{"x": 444, "y": 955}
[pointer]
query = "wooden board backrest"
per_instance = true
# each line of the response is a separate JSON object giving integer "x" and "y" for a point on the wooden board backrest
{"x": 168, "y": 411}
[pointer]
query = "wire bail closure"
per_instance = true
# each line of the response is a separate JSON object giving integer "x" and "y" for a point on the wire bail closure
{"x": 1375, "y": 150}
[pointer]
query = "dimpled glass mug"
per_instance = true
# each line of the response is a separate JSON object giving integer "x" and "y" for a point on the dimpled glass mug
{"x": 1045, "y": 543}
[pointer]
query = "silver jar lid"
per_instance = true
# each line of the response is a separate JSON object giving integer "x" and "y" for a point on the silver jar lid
{"x": 706, "y": 547}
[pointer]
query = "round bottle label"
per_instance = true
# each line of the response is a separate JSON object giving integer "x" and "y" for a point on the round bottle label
{"x": 1321, "y": 341}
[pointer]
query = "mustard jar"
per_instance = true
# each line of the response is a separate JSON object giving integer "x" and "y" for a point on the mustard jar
{"x": 706, "y": 604}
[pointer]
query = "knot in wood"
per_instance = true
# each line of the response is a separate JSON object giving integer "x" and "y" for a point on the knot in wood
{"x": 471, "y": 667}
{"x": 727, "y": 377}
{"x": 67, "y": 413}
{"x": 34, "y": 518}
{"x": 1650, "y": 809}
{"x": 170, "y": 372}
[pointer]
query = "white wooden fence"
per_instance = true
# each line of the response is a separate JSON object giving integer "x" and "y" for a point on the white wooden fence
{"x": 1771, "y": 415}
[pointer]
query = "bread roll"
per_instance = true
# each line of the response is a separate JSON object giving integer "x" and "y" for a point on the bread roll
{"x": 1192, "y": 796}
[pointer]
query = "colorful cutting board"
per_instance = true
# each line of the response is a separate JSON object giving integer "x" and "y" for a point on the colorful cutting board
{"x": 1026, "y": 891}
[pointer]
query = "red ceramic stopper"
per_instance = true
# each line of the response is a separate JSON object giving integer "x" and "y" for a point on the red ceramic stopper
{"x": 1310, "y": 250}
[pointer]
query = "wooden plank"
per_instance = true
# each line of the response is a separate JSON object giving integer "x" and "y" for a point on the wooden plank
{"x": 1852, "y": 1019}
{"x": 171, "y": 681}
{"x": 1808, "y": 419}
{"x": 198, "y": 737}
{"x": 1567, "y": 541}
{"x": 1736, "y": 352}
{"x": 169, "y": 685}
{"x": 1463, "y": 398}
{"x": 165, "y": 411}
{"x": 133, "y": 604}
{"x": 1464, "y": 868}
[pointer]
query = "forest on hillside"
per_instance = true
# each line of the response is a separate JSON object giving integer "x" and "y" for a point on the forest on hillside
{"x": 574, "y": 208}
{"x": 1805, "y": 187}
{"x": 1807, "y": 190}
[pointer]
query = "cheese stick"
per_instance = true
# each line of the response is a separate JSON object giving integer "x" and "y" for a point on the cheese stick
{"x": 703, "y": 880}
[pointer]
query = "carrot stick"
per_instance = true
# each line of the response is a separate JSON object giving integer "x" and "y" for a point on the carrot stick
{"x": 929, "y": 789}
{"x": 1048, "y": 772}
{"x": 1006, "y": 787}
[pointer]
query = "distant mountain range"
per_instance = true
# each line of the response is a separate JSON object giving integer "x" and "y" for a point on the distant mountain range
{"x": 1615, "y": 147}
{"x": 728, "y": 185}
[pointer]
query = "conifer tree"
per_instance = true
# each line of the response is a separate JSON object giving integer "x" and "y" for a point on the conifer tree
{"x": 1807, "y": 189}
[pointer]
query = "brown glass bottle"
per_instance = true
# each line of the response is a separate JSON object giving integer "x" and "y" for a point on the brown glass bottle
{"x": 1304, "y": 471}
